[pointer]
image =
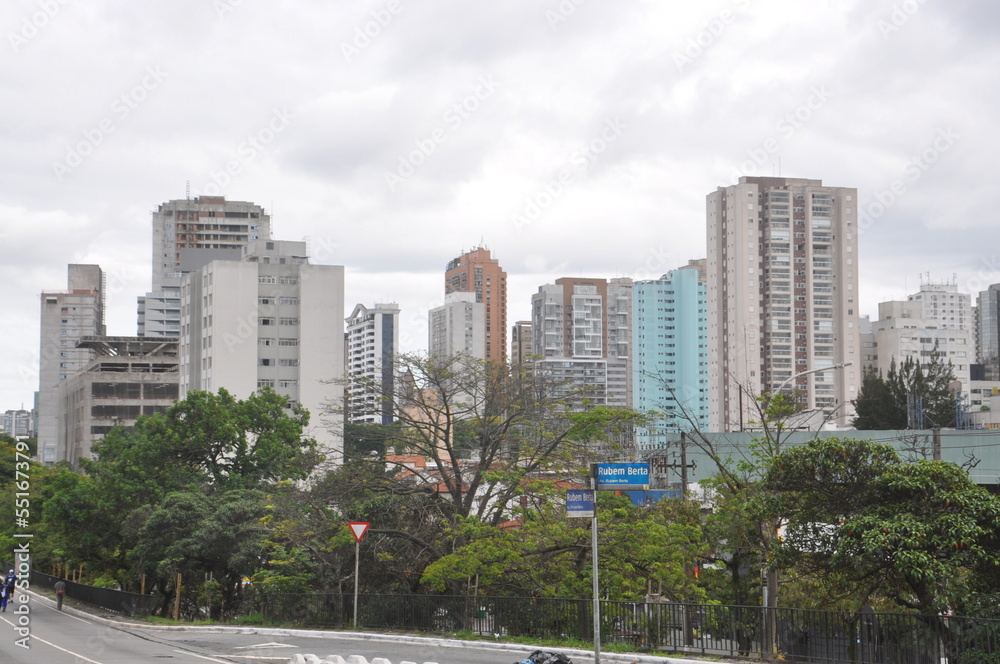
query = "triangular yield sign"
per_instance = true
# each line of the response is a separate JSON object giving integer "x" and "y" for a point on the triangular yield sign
{"x": 359, "y": 529}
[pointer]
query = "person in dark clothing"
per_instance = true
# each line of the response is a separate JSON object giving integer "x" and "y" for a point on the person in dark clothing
{"x": 60, "y": 593}
{"x": 7, "y": 590}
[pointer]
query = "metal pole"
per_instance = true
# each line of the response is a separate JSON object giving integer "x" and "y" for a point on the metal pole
{"x": 357, "y": 556}
{"x": 684, "y": 466}
{"x": 593, "y": 549}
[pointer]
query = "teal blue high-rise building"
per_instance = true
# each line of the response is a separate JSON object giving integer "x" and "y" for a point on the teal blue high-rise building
{"x": 670, "y": 353}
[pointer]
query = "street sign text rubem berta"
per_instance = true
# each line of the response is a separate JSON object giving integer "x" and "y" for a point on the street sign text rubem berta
{"x": 614, "y": 476}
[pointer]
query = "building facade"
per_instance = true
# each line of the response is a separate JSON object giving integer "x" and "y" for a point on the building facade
{"x": 457, "y": 327}
{"x": 935, "y": 322}
{"x": 128, "y": 377}
{"x": 478, "y": 272}
{"x": 188, "y": 234}
{"x": 268, "y": 320}
{"x": 18, "y": 423}
{"x": 581, "y": 333}
{"x": 670, "y": 353}
{"x": 372, "y": 344}
{"x": 987, "y": 327}
{"x": 782, "y": 297}
{"x": 67, "y": 316}
{"x": 520, "y": 344}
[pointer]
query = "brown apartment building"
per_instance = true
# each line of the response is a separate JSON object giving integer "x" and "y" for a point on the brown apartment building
{"x": 478, "y": 272}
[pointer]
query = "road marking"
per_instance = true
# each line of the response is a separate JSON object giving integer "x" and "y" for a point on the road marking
{"x": 49, "y": 643}
{"x": 66, "y": 613}
{"x": 265, "y": 645}
{"x": 211, "y": 659}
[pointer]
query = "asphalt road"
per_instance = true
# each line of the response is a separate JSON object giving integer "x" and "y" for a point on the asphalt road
{"x": 43, "y": 634}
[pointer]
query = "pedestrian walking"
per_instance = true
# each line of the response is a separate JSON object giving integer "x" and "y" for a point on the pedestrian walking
{"x": 60, "y": 593}
{"x": 7, "y": 590}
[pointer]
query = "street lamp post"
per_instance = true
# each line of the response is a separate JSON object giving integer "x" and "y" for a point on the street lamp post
{"x": 770, "y": 576}
{"x": 839, "y": 365}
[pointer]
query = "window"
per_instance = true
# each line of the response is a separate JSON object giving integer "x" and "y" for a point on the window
{"x": 267, "y": 279}
{"x": 265, "y": 382}
{"x": 288, "y": 342}
{"x": 289, "y": 281}
{"x": 289, "y": 321}
{"x": 288, "y": 362}
{"x": 265, "y": 321}
{"x": 288, "y": 300}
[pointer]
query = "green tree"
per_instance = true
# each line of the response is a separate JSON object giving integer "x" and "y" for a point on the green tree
{"x": 485, "y": 431}
{"x": 910, "y": 533}
{"x": 909, "y": 387}
{"x": 212, "y": 455}
{"x": 875, "y": 406}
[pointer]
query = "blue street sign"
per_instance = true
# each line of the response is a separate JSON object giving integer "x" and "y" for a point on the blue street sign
{"x": 580, "y": 502}
{"x": 625, "y": 476}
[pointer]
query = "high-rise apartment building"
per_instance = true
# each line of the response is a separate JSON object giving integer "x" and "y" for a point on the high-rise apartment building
{"x": 67, "y": 316}
{"x": 372, "y": 344}
{"x": 17, "y": 423}
{"x": 457, "y": 327}
{"x": 268, "y": 320}
{"x": 520, "y": 344}
{"x": 670, "y": 353}
{"x": 933, "y": 323}
{"x": 782, "y": 297}
{"x": 581, "y": 337}
{"x": 478, "y": 272}
{"x": 987, "y": 332}
{"x": 188, "y": 234}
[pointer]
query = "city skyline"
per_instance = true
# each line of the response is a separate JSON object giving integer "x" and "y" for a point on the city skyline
{"x": 571, "y": 139}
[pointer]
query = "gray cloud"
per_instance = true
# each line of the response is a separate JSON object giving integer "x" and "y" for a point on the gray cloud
{"x": 704, "y": 90}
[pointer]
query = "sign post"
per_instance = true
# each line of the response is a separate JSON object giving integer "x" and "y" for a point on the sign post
{"x": 358, "y": 529}
{"x": 594, "y": 468}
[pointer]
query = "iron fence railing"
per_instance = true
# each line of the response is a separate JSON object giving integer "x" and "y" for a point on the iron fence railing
{"x": 116, "y": 601}
{"x": 800, "y": 635}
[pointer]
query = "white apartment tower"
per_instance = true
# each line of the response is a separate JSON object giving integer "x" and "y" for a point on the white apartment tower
{"x": 458, "y": 327}
{"x": 782, "y": 297}
{"x": 66, "y": 317}
{"x": 268, "y": 320}
{"x": 935, "y": 321}
{"x": 581, "y": 337}
{"x": 187, "y": 234}
{"x": 372, "y": 344}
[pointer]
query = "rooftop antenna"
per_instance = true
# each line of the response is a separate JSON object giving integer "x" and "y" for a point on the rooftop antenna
{"x": 187, "y": 190}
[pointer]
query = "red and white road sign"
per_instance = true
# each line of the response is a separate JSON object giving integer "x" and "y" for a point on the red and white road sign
{"x": 359, "y": 528}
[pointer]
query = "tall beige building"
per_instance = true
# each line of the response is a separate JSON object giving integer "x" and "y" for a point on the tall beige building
{"x": 478, "y": 272}
{"x": 67, "y": 316}
{"x": 782, "y": 297}
{"x": 268, "y": 320}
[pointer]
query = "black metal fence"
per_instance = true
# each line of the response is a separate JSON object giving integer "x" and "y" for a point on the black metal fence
{"x": 806, "y": 636}
{"x": 116, "y": 601}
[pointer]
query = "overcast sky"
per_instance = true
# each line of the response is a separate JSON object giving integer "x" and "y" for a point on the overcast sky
{"x": 572, "y": 137}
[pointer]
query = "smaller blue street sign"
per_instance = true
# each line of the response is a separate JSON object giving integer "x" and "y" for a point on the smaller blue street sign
{"x": 580, "y": 502}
